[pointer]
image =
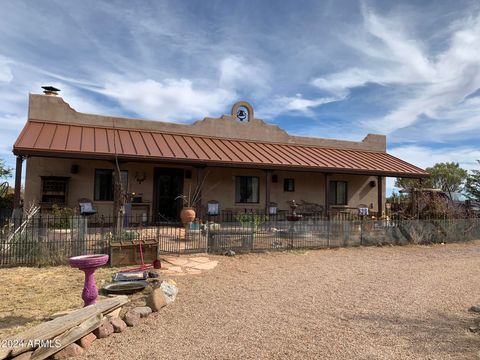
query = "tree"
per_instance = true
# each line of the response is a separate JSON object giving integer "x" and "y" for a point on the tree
{"x": 446, "y": 176}
{"x": 472, "y": 185}
{"x": 5, "y": 171}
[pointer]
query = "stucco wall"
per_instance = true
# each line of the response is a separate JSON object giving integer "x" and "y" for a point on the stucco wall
{"x": 219, "y": 184}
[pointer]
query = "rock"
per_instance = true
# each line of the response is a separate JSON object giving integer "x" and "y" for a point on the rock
{"x": 87, "y": 340}
{"x": 24, "y": 356}
{"x": 132, "y": 318}
{"x": 156, "y": 299}
{"x": 114, "y": 313}
{"x": 143, "y": 311}
{"x": 170, "y": 290}
{"x": 474, "y": 328}
{"x": 475, "y": 308}
{"x": 229, "y": 253}
{"x": 69, "y": 351}
{"x": 118, "y": 324}
{"x": 104, "y": 330}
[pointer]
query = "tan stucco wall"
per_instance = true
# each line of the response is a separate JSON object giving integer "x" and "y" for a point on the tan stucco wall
{"x": 219, "y": 184}
{"x": 55, "y": 109}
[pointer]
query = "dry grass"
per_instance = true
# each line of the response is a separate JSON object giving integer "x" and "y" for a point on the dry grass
{"x": 30, "y": 295}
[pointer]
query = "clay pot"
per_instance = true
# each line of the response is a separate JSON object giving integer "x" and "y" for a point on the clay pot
{"x": 187, "y": 215}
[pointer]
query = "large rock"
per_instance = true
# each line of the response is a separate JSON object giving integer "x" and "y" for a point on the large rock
{"x": 114, "y": 313}
{"x": 104, "y": 330}
{"x": 132, "y": 318}
{"x": 156, "y": 299}
{"x": 87, "y": 340}
{"x": 170, "y": 290}
{"x": 118, "y": 324}
{"x": 143, "y": 311}
{"x": 69, "y": 351}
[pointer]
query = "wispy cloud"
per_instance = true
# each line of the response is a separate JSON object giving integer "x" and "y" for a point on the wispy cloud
{"x": 438, "y": 83}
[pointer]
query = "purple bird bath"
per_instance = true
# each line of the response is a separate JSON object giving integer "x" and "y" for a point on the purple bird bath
{"x": 88, "y": 264}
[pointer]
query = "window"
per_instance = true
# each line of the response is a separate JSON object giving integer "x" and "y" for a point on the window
{"x": 289, "y": 185}
{"x": 246, "y": 189}
{"x": 103, "y": 188}
{"x": 338, "y": 193}
{"x": 54, "y": 189}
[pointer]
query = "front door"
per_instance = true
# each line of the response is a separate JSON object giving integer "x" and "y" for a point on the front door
{"x": 167, "y": 185}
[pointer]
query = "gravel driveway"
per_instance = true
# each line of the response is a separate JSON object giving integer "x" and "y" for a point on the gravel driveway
{"x": 358, "y": 303}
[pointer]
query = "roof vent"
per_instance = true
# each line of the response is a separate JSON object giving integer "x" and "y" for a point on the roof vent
{"x": 50, "y": 90}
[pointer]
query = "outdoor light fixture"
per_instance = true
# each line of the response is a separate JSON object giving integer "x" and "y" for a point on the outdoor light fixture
{"x": 372, "y": 183}
{"x": 139, "y": 177}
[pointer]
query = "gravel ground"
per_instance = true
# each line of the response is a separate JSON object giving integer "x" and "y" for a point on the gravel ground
{"x": 359, "y": 303}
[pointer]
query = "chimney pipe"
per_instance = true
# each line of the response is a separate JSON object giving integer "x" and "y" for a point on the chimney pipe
{"x": 50, "y": 90}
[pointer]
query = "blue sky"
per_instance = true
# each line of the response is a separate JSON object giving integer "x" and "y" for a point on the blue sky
{"x": 336, "y": 69}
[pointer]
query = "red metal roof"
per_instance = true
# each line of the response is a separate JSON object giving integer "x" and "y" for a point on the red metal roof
{"x": 93, "y": 142}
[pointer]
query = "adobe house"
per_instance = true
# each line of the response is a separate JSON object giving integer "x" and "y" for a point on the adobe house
{"x": 250, "y": 165}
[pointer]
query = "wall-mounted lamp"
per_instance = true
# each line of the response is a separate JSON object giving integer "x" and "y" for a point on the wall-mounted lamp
{"x": 74, "y": 169}
{"x": 372, "y": 183}
{"x": 274, "y": 178}
{"x": 140, "y": 177}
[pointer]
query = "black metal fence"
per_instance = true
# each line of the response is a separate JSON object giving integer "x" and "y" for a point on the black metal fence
{"x": 51, "y": 240}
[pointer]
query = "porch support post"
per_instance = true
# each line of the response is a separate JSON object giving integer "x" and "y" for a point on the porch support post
{"x": 17, "y": 212}
{"x": 200, "y": 178}
{"x": 268, "y": 181}
{"x": 327, "y": 195}
{"x": 380, "y": 195}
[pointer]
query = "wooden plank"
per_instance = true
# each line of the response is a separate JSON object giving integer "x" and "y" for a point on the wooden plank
{"x": 48, "y": 330}
{"x": 68, "y": 337}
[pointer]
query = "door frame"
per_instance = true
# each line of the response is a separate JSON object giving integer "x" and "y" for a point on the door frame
{"x": 156, "y": 170}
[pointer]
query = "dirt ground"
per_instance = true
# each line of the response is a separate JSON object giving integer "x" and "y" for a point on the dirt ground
{"x": 358, "y": 303}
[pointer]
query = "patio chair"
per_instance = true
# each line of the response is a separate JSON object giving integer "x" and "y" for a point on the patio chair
{"x": 86, "y": 207}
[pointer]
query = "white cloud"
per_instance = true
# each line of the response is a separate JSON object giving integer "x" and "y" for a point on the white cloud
{"x": 5, "y": 72}
{"x": 424, "y": 157}
{"x": 291, "y": 105}
{"x": 168, "y": 100}
{"x": 237, "y": 73}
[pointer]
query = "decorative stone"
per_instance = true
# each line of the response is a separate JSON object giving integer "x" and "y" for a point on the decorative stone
{"x": 143, "y": 311}
{"x": 474, "y": 328}
{"x": 115, "y": 313}
{"x": 87, "y": 340}
{"x": 24, "y": 356}
{"x": 132, "y": 318}
{"x": 475, "y": 308}
{"x": 104, "y": 330}
{"x": 69, "y": 351}
{"x": 118, "y": 324}
{"x": 156, "y": 299}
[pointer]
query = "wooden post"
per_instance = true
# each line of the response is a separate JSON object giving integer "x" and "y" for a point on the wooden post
{"x": 327, "y": 195}
{"x": 200, "y": 179}
{"x": 17, "y": 211}
{"x": 380, "y": 195}
{"x": 268, "y": 180}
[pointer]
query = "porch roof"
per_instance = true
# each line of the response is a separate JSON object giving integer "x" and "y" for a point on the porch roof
{"x": 53, "y": 139}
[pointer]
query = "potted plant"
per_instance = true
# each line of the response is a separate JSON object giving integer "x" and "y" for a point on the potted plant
{"x": 190, "y": 201}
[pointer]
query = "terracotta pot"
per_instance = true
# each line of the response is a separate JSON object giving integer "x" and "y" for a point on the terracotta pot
{"x": 187, "y": 215}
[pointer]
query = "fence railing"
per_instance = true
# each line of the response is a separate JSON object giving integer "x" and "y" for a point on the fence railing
{"x": 51, "y": 240}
